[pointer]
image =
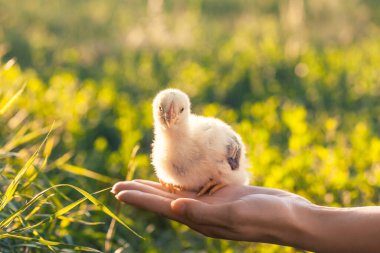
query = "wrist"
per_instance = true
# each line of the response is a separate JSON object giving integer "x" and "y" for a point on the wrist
{"x": 298, "y": 230}
{"x": 317, "y": 228}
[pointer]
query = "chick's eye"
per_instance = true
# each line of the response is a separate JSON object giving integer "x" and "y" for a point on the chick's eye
{"x": 160, "y": 108}
{"x": 181, "y": 110}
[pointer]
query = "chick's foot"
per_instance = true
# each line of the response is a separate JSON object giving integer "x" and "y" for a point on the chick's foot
{"x": 210, "y": 187}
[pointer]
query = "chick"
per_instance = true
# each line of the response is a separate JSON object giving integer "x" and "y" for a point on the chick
{"x": 192, "y": 152}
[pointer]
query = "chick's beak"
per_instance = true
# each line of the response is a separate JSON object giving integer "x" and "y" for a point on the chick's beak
{"x": 170, "y": 116}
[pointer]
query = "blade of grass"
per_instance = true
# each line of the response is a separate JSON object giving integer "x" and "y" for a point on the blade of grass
{"x": 9, "y": 193}
{"x": 12, "y": 99}
{"x": 15, "y": 142}
{"x": 90, "y": 223}
{"x": 38, "y": 207}
{"x": 61, "y": 160}
{"x": 47, "y": 151}
{"x": 48, "y": 242}
{"x": 111, "y": 231}
{"x": 26, "y": 238}
{"x": 4, "y": 223}
{"x": 103, "y": 208}
{"x": 36, "y": 233}
{"x": 87, "y": 173}
{"x": 66, "y": 209}
{"x": 62, "y": 211}
{"x": 8, "y": 154}
{"x": 9, "y": 64}
{"x": 132, "y": 163}
{"x": 129, "y": 175}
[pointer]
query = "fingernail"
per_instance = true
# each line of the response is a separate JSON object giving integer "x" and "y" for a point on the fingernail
{"x": 117, "y": 196}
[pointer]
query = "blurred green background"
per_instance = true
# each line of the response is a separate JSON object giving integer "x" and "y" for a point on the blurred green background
{"x": 299, "y": 80}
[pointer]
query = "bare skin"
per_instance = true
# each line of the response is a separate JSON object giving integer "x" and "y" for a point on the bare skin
{"x": 257, "y": 214}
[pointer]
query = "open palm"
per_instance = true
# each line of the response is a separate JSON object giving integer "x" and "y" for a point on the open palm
{"x": 234, "y": 212}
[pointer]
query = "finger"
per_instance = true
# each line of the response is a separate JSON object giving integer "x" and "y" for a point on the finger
{"x": 162, "y": 206}
{"x": 202, "y": 213}
{"x": 215, "y": 232}
{"x": 137, "y": 186}
{"x": 150, "y": 183}
{"x": 117, "y": 187}
{"x": 183, "y": 193}
{"x": 147, "y": 201}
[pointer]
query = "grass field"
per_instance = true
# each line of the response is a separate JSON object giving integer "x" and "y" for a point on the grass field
{"x": 299, "y": 80}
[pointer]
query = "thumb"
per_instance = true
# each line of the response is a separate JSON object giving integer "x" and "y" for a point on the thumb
{"x": 200, "y": 212}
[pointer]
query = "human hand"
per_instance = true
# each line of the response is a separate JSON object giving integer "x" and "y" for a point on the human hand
{"x": 244, "y": 213}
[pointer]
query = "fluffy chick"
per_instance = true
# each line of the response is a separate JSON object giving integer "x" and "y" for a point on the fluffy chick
{"x": 193, "y": 152}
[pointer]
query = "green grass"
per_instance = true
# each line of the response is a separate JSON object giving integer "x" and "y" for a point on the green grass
{"x": 304, "y": 94}
{"x": 24, "y": 217}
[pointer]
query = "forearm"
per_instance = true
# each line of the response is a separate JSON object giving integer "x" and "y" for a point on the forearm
{"x": 324, "y": 229}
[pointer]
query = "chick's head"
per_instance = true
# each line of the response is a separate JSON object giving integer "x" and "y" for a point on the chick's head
{"x": 171, "y": 108}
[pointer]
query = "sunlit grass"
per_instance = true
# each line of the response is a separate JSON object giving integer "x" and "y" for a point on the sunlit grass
{"x": 18, "y": 226}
